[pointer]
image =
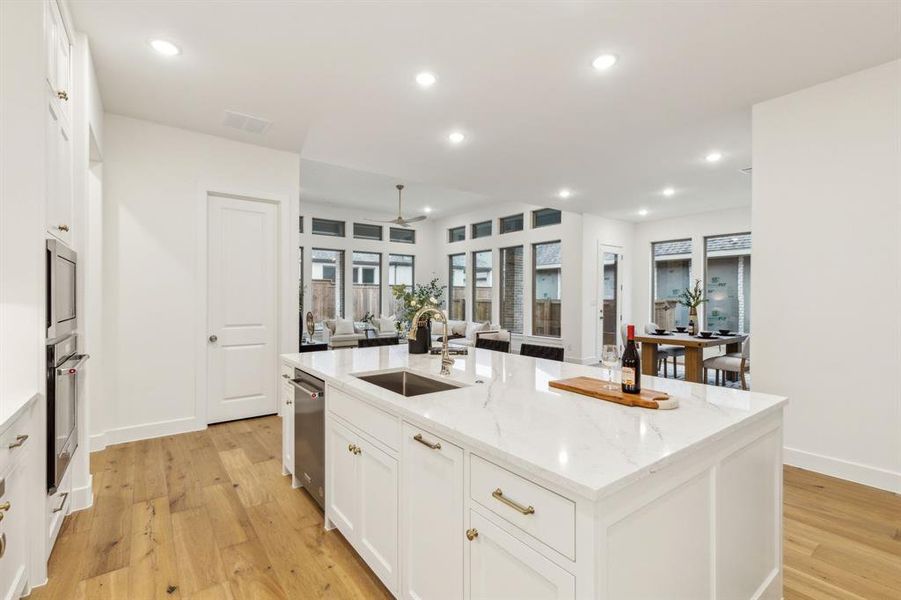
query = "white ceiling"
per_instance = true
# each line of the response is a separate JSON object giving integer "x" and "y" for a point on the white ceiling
{"x": 336, "y": 79}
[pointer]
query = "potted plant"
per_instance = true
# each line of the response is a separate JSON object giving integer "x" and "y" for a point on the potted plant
{"x": 414, "y": 299}
{"x": 693, "y": 298}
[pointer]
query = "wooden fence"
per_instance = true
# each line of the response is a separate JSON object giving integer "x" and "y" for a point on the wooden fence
{"x": 546, "y": 318}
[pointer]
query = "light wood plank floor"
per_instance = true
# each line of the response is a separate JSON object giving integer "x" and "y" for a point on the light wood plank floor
{"x": 208, "y": 516}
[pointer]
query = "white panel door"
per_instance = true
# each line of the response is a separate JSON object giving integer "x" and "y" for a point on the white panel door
{"x": 242, "y": 309}
{"x": 377, "y": 517}
{"x": 503, "y": 568}
{"x": 433, "y": 517}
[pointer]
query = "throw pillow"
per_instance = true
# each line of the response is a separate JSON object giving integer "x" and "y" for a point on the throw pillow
{"x": 472, "y": 327}
{"x": 386, "y": 324}
{"x": 344, "y": 327}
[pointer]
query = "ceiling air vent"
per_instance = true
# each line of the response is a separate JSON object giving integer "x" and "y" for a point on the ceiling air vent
{"x": 244, "y": 122}
{"x": 746, "y": 170}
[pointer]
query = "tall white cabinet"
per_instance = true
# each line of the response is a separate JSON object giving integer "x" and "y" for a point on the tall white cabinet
{"x": 59, "y": 199}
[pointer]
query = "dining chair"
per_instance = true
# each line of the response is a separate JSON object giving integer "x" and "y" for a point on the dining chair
{"x": 373, "y": 342}
{"x": 491, "y": 344}
{"x": 665, "y": 351}
{"x": 734, "y": 362}
{"x": 536, "y": 351}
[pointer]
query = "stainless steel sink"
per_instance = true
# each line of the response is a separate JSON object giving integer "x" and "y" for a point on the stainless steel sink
{"x": 407, "y": 383}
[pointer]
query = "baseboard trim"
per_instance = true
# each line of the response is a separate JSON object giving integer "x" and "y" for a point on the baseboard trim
{"x": 82, "y": 497}
{"x": 844, "y": 469}
{"x": 144, "y": 432}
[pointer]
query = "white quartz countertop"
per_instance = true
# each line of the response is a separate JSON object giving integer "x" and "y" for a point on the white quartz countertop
{"x": 588, "y": 446}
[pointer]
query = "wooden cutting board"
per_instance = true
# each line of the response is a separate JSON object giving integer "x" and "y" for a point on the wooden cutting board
{"x": 596, "y": 388}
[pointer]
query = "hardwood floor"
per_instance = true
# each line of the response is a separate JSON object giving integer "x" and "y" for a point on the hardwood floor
{"x": 202, "y": 516}
{"x": 208, "y": 516}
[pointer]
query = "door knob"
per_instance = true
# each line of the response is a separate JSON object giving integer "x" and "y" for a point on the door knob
{"x": 214, "y": 339}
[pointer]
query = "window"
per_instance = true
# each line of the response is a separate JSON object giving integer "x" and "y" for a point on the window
{"x": 367, "y": 284}
{"x": 456, "y": 234}
{"x": 456, "y": 290}
{"x": 546, "y": 216}
{"x": 482, "y": 229}
{"x": 403, "y": 236}
{"x": 327, "y": 293}
{"x": 365, "y": 231}
{"x": 511, "y": 223}
{"x": 300, "y": 228}
{"x": 670, "y": 274}
{"x": 400, "y": 272}
{"x": 728, "y": 282}
{"x": 482, "y": 285}
{"x": 511, "y": 289}
{"x": 546, "y": 283}
{"x": 328, "y": 227}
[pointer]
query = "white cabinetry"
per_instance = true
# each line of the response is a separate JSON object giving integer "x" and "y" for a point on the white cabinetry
{"x": 432, "y": 515}
{"x": 57, "y": 508}
{"x": 16, "y": 508}
{"x": 361, "y": 496}
{"x": 286, "y": 410}
{"x": 501, "y": 566}
{"x": 58, "y": 125}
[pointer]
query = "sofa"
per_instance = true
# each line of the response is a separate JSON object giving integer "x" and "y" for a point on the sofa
{"x": 382, "y": 328}
{"x": 465, "y": 333}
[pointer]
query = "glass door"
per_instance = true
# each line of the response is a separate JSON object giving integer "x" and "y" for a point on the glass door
{"x": 609, "y": 290}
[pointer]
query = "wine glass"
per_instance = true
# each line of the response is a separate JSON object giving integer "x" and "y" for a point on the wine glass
{"x": 610, "y": 359}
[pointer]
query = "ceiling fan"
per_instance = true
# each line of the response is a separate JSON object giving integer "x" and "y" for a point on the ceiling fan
{"x": 400, "y": 220}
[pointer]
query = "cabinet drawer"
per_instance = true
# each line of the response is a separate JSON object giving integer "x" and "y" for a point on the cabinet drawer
{"x": 14, "y": 442}
{"x": 365, "y": 417}
{"x": 543, "y": 514}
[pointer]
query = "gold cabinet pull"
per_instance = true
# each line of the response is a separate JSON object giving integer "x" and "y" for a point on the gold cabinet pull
{"x": 354, "y": 449}
{"x": 526, "y": 510}
{"x": 62, "y": 503}
{"x": 357, "y": 450}
{"x": 63, "y": 227}
{"x": 6, "y": 506}
{"x": 20, "y": 439}
{"x": 433, "y": 445}
{"x": 472, "y": 534}
{"x": 2, "y": 544}
{"x": 62, "y": 95}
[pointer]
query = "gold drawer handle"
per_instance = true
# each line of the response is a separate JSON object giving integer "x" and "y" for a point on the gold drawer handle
{"x": 63, "y": 227}
{"x": 62, "y": 95}
{"x": 526, "y": 510}
{"x": 354, "y": 448}
{"x": 6, "y": 506}
{"x": 472, "y": 534}
{"x": 432, "y": 445}
{"x": 20, "y": 439}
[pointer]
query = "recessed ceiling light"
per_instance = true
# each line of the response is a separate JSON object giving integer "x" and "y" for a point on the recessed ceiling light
{"x": 668, "y": 192}
{"x": 426, "y": 79}
{"x": 713, "y": 157}
{"x": 427, "y": 209}
{"x": 456, "y": 137}
{"x": 165, "y": 47}
{"x": 642, "y": 212}
{"x": 564, "y": 193}
{"x": 604, "y": 62}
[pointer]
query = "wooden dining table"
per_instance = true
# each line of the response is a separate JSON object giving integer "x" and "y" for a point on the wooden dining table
{"x": 694, "y": 351}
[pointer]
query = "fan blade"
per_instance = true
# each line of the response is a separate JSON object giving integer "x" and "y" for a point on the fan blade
{"x": 416, "y": 219}
{"x": 380, "y": 221}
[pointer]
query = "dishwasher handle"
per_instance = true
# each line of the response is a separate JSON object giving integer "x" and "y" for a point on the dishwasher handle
{"x": 304, "y": 389}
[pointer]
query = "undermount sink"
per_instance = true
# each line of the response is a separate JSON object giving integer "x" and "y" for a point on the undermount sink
{"x": 407, "y": 383}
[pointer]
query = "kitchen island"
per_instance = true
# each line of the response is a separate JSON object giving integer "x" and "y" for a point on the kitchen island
{"x": 502, "y": 487}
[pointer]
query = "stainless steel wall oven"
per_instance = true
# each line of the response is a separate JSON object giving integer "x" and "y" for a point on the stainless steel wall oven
{"x": 64, "y": 365}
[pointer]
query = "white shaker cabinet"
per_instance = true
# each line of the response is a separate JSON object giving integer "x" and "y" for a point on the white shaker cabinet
{"x": 501, "y": 566}
{"x": 59, "y": 174}
{"x": 362, "y": 496}
{"x": 59, "y": 59}
{"x": 286, "y": 410}
{"x": 13, "y": 534}
{"x": 432, "y": 516}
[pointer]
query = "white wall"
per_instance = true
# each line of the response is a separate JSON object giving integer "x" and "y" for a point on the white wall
{"x": 155, "y": 181}
{"x": 695, "y": 227}
{"x": 826, "y": 208}
{"x": 422, "y": 267}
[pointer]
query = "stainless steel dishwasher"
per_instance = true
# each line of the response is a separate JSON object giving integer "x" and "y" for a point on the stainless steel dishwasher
{"x": 309, "y": 434}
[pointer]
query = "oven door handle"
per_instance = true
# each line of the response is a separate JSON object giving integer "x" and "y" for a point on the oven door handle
{"x": 72, "y": 369}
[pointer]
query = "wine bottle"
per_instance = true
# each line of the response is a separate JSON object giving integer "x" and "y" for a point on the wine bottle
{"x": 691, "y": 327}
{"x": 631, "y": 372}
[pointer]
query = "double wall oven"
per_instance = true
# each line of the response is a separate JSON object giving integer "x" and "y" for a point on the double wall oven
{"x": 63, "y": 362}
